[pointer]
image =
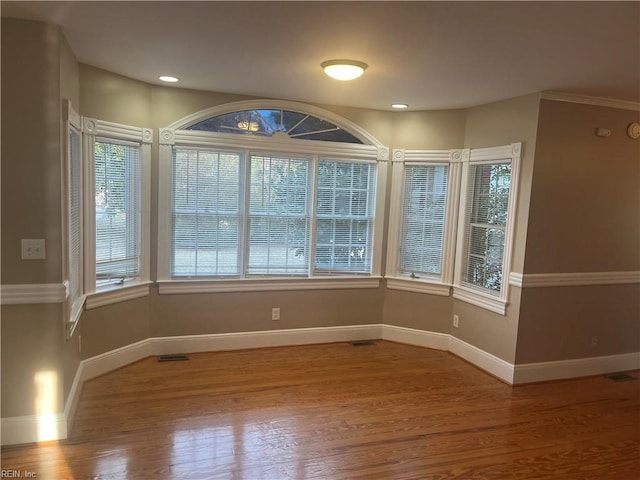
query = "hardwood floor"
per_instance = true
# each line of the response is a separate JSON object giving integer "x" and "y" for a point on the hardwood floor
{"x": 336, "y": 411}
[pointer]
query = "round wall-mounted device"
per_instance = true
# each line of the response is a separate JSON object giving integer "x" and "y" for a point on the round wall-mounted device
{"x": 633, "y": 130}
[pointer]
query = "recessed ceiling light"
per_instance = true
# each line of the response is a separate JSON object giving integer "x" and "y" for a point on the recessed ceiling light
{"x": 344, "y": 69}
{"x": 399, "y": 106}
{"x": 168, "y": 79}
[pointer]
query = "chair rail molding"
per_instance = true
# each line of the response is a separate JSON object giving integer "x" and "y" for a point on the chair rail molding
{"x": 33, "y": 293}
{"x": 573, "y": 279}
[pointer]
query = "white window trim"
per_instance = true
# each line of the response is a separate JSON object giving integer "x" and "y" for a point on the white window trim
{"x": 431, "y": 285}
{"x": 93, "y": 128}
{"x": 265, "y": 284}
{"x": 72, "y": 306}
{"x": 508, "y": 154}
{"x": 172, "y": 136}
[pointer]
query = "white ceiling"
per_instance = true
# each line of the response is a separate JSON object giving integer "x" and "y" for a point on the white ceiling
{"x": 431, "y": 55}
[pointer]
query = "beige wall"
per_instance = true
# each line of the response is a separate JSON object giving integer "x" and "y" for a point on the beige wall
{"x": 113, "y": 326}
{"x": 114, "y": 98}
{"x": 31, "y": 176}
{"x": 585, "y": 201}
{"x": 32, "y": 344}
{"x": 245, "y": 312}
{"x": 431, "y": 313}
{"x": 584, "y": 217}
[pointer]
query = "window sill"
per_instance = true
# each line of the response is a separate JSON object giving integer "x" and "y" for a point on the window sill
{"x": 418, "y": 285}
{"x": 117, "y": 294}
{"x": 169, "y": 287}
{"x": 479, "y": 299}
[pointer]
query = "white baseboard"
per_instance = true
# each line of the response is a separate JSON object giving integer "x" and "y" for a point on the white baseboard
{"x": 412, "y": 336}
{"x": 34, "y": 428}
{"x": 71, "y": 405}
{"x": 481, "y": 359}
{"x": 269, "y": 338}
{"x": 581, "y": 367}
{"x": 114, "y": 359}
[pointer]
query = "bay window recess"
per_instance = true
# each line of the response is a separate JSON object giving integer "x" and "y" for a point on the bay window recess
{"x": 117, "y": 199}
{"x": 72, "y": 217}
{"x": 267, "y": 209}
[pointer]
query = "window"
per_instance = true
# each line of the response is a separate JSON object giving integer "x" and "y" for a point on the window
{"x": 485, "y": 230}
{"x": 73, "y": 219}
{"x": 268, "y": 122}
{"x": 345, "y": 214}
{"x": 423, "y": 220}
{"x": 279, "y": 210}
{"x": 117, "y": 218}
{"x": 424, "y": 200}
{"x": 206, "y": 217}
{"x": 250, "y": 211}
{"x": 487, "y": 219}
{"x": 118, "y": 211}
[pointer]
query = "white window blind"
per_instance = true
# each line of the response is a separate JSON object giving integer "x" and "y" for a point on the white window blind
{"x": 486, "y": 222}
{"x": 118, "y": 211}
{"x": 206, "y": 216}
{"x": 423, "y": 213}
{"x": 278, "y": 216}
{"x": 345, "y": 211}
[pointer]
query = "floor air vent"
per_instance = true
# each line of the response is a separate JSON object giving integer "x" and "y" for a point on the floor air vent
{"x": 621, "y": 377}
{"x": 365, "y": 343}
{"x": 172, "y": 358}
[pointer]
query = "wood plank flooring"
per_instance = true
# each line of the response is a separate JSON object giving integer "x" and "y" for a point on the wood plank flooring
{"x": 336, "y": 411}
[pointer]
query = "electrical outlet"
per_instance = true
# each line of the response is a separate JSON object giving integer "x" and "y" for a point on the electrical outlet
{"x": 456, "y": 321}
{"x": 275, "y": 313}
{"x": 594, "y": 341}
{"x": 33, "y": 249}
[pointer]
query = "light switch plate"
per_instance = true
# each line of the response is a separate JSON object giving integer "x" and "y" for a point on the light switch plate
{"x": 33, "y": 249}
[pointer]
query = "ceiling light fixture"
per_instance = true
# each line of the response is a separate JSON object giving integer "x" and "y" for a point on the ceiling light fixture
{"x": 168, "y": 79}
{"x": 343, "y": 69}
{"x": 399, "y": 106}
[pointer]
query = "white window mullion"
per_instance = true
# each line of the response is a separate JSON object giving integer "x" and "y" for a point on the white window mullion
{"x": 89, "y": 130}
{"x": 165, "y": 176}
{"x": 145, "y": 221}
{"x": 313, "y": 188}
{"x": 451, "y": 226}
{"x": 377, "y": 206}
{"x": 244, "y": 235}
{"x": 394, "y": 243}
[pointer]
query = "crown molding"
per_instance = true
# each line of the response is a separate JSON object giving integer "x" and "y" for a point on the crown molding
{"x": 588, "y": 100}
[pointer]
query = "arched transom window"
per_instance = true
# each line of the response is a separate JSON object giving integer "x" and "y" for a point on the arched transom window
{"x": 269, "y": 122}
